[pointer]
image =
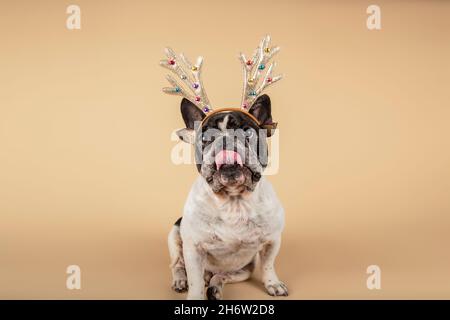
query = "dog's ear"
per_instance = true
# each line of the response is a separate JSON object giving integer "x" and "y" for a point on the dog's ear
{"x": 262, "y": 110}
{"x": 191, "y": 113}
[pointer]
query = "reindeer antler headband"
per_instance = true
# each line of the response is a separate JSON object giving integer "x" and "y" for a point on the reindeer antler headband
{"x": 194, "y": 91}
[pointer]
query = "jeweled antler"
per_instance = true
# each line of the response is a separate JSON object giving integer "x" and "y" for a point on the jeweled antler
{"x": 190, "y": 75}
{"x": 253, "y": 69}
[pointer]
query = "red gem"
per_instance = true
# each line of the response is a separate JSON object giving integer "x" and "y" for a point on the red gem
{"x": 269, "y": 80}
{"x": 249, "y": 62}
{"x": 171, "y": 62}
{"x": 245, "y": 106}
{"x": 197, "y": 98}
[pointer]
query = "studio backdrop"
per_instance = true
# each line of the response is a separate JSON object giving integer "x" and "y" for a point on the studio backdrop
{"x": 88, "y": 182}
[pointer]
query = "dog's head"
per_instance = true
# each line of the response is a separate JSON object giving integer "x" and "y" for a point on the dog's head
{"x": 230, "y": 145}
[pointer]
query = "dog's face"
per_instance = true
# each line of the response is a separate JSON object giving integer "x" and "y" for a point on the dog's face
{"x": 231, "y": 149}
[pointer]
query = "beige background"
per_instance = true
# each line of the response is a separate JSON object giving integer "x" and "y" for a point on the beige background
{"x": 85, "y": 169}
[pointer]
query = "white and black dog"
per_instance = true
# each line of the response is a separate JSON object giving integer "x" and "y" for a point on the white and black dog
{"x": 232, "y": 214}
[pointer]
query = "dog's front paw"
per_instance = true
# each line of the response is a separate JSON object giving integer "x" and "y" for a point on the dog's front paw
{"x": 276, "y": 289}
{"x": 214, "y": 293}
{"x": 180, "y": 285}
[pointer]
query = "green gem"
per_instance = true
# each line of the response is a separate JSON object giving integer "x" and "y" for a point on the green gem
{"x": 261, "y": 67}
{"x": 177, "y": 89}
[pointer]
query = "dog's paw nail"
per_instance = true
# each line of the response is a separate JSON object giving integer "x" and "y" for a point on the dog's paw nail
{"x": 277, "y": 289}
{"x": 180, "y": 285}
{"x": 214, "y": 293}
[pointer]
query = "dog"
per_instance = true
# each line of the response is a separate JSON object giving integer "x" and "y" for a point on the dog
{"x": 232, "y": 216}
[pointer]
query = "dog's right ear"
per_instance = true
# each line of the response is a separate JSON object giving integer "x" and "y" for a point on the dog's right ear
{"x": 191, "y": 113}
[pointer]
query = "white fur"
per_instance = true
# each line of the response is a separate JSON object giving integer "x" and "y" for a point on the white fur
{"x": 223, "y": 124}
{"x": 224, "y": 234}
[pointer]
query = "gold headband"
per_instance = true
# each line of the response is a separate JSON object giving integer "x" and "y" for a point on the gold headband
{"x": 221, "y": 110}
{"x": 270, "y": 127}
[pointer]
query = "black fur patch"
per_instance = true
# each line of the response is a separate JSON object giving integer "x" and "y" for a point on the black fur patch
{"x": 190, "y": 113}
{"x": 212, "y": 293}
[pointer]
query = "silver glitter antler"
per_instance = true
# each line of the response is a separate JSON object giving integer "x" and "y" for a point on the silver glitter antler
{"x": 253, "y": 69}
{"x": 190, "y": 75}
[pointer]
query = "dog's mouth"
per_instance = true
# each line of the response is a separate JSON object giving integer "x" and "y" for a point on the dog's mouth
{"x": 230, "y": 174}
{"x": 227, "y": 157}
{"x": 229, "y": 167}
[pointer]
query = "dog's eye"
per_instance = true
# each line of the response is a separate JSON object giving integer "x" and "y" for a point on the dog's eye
{"x": 206, "y": 138}
{"x": 250, "y": 133}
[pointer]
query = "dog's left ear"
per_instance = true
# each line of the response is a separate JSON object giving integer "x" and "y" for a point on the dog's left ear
{"x": 262, "y": 110}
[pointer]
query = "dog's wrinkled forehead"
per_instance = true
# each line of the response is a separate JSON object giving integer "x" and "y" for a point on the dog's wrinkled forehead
{"x": 229, "y": 120}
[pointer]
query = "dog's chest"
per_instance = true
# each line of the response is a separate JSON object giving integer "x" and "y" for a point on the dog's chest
{"x": 238, "y": 227}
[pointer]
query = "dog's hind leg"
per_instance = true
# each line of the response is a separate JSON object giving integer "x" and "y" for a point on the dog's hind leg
{"x": 179, "y": 278}
{"x": 217, "y": 282}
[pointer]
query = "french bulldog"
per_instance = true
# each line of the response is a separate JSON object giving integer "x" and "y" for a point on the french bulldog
{"x": 232, "y": 216}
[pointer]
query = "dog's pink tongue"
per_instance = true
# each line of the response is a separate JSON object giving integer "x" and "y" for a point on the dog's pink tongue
{"x": 228, "y": 157}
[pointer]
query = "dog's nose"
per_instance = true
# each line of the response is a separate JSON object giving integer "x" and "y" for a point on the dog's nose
{"x": 231, "y": 174}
